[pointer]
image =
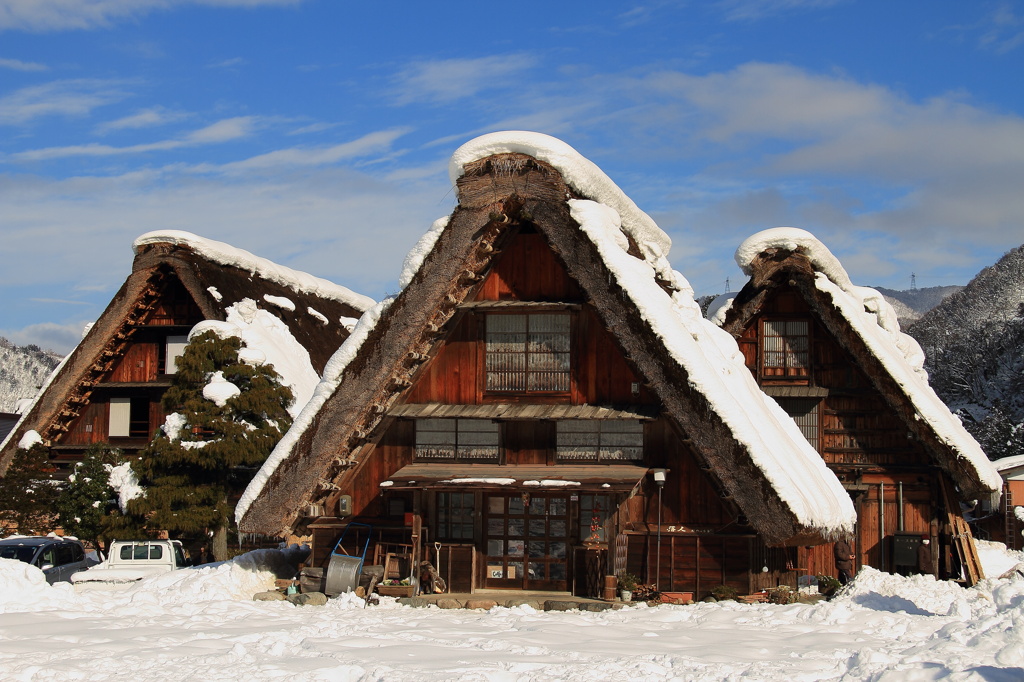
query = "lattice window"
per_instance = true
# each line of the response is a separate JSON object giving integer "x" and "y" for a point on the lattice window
{"x": 804, "y": 412}
{"x": 455, "y": 516}
{"x": 600, "y": 440}
{"x": 785, "y": 348}
{"x": 528, "y": 353}
{"x": 465, "y": 440}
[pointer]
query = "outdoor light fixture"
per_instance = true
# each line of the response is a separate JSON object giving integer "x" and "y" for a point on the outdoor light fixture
{"x": 659, "y": 480}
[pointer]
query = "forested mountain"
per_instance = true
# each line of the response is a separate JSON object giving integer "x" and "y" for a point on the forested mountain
{"x": 974, "y": 343}
{"x": 23, "y": 369}
{"x": 911, "y": 304}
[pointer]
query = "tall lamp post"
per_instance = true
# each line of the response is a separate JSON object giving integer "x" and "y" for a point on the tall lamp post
{"x": 659, "y": 480}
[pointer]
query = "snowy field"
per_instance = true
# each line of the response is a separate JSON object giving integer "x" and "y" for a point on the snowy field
{"x": 200, "y": 624}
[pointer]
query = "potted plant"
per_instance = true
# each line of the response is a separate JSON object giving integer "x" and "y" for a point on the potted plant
{"x": 627, "y": 583}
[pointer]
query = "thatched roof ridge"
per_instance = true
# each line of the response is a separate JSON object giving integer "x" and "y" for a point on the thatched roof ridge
{"x": 863, "y": 324}
{"x": 496, "y": 194}
{"x": 214, "y": 285}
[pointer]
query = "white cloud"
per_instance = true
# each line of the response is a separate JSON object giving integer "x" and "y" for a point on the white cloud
{"x": 146, "y": 118}
{"x": 18, "y": 65}
{"x": 752, "y": 10}
{"x": 314, "y": 156}
{"x": 61, "y": 338}
{"x": 59, "y": 98}
{"x": 448, "y": 80}
{"x": 1002, "y": 29}
{"x": 221, "y": 131}
{"x": 59, "y": 15}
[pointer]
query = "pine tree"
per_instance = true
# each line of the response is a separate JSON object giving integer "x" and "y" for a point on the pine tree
{"x": 29, "y": 490}
{"x": 212, "y": 444}
{"x": 87, "y": 498}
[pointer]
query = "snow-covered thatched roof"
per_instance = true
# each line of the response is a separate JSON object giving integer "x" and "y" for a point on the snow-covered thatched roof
{"x": 293, "y": 319}
{"x": 893, "y": 360}
{"x": 618, "y": 256}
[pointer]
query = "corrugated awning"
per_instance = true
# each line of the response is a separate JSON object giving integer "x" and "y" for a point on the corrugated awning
{"x": 523, "y": 411}
{"x": 589, "y": 477}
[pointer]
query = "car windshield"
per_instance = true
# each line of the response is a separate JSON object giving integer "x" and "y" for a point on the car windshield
{"x": 18, "y": 552}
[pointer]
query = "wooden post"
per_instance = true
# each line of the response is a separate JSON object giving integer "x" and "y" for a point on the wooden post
{"x": 417, "y": 528}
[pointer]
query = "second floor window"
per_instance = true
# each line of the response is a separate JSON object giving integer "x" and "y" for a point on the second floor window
{"x": 464, "y": 440}
{"x": 528, "y": 353}
{"x": 599, "y": 441}
{"x": 785, "y": 349}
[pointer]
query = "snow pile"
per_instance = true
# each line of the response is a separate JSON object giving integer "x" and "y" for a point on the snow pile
{"x": 263, "y": 332}
{"x": 219, "y": 390}
{"x": 225, "y": 254}
{"x": 30, "y": 438}
{"x": 874, "y": 321}
{"x": 125, "y": 483}
{"x": 710, "y": 356}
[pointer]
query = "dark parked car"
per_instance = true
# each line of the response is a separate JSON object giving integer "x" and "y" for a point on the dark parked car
{"x": 58, "y": 558}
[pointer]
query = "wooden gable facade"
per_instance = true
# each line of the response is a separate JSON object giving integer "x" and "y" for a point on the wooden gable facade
{"x": 506, "y": 417}
{"x": 109, "y": 389}
{"x": 906, "y": 483}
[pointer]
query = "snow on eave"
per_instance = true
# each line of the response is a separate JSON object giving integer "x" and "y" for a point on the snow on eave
{"x": 715, "y": 368}
{"x": 225, "y": 254}
{"x": 872, "y": 318}
{"x": 580, "y": 173}
{"x": 928, "y": 406}
{"x": 1008, "y": 466}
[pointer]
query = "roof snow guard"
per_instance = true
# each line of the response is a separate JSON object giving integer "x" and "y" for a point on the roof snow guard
{"x": 617, "y": 254}
{"x": 865, "y": 325}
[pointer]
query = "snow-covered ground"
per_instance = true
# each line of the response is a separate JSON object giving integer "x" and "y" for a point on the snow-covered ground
{"x": 201, "y": 624}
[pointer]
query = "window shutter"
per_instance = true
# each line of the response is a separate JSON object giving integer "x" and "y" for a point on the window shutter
{"x": 175, "y": 349}
{"x": 120, "y": 417}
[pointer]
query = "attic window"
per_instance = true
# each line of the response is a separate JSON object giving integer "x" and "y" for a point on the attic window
{"x": 608, "y": 440}
{"x": 785, "y": 348}
{"x": 528, "y": 352}
{"x": 457, "y": 440}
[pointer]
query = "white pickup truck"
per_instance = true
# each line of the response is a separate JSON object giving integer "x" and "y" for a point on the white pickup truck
{"x": 130, "y": 561}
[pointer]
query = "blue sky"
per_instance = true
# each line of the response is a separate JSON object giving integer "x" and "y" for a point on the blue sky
{"x": 316, "y": 133}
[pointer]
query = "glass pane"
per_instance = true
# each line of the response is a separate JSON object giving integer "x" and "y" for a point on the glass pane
{"x": 557, "y": 572}
{"x": 537, "y": 548}
{"x": 557, "y": 506}
{"x": 515, "y": 505}
{"x": 538, "y": 528}
{"x": 495, "y": 547}
{"x": 516, "y": 527}
{"x": 558, "y": 550}
{"x": 496, "y": 505}
{"x": 495, "y": 527}
{"x": 538, "y": 571}
{"x": 537, "y": 505}
{"x": 557, "y": 529}
{"x": 515, "y": 547}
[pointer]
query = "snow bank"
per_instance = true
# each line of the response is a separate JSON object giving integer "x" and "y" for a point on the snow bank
{"x": 225, "y": 254}
{"x": 202, "y": 624}
{"x": 872, "y": 318}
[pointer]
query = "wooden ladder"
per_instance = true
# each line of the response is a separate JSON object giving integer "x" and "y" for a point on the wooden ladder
{"x": 963, "y": 541}
{"x": 1009, "y": 519}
